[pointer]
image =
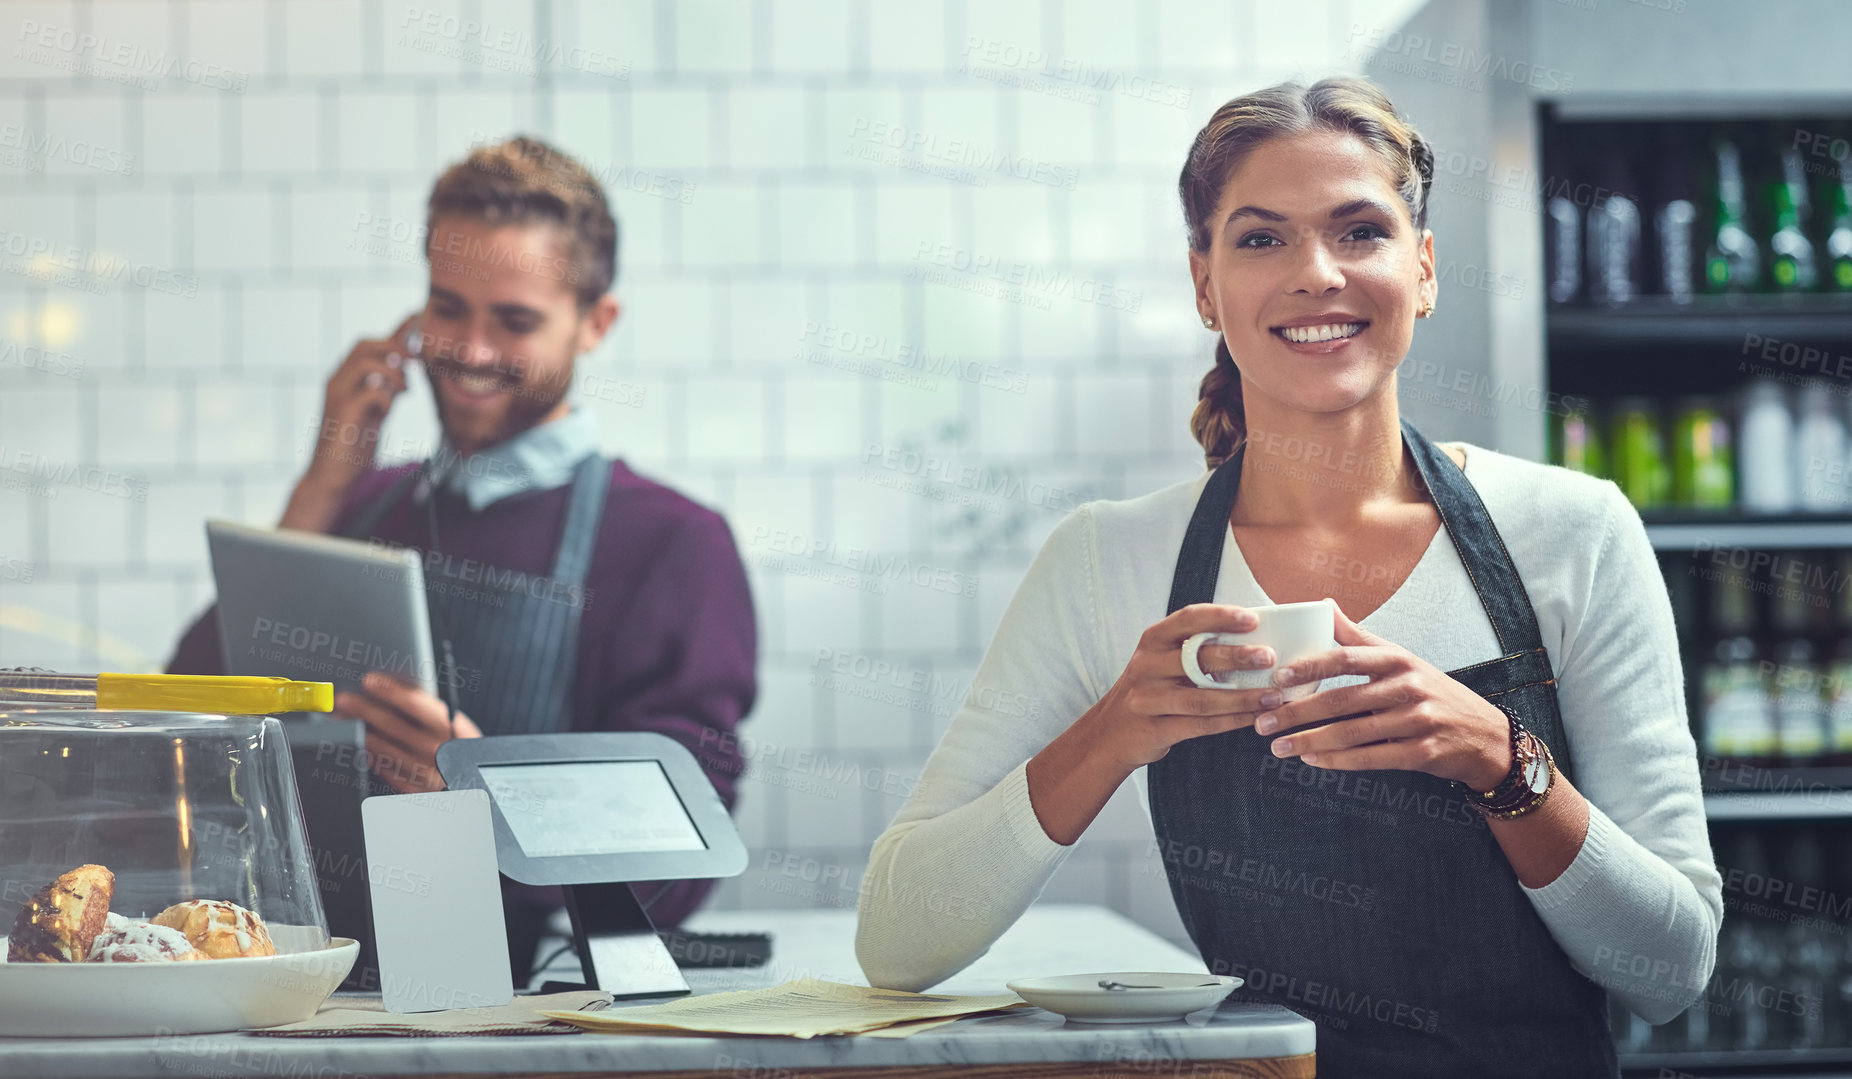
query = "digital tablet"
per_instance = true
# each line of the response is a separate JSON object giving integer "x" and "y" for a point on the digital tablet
{"x": 320, "y": 608}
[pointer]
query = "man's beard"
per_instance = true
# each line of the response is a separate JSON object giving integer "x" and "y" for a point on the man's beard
{"x": 529, "y": 403}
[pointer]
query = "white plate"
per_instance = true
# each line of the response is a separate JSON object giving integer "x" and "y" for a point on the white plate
{"x": 1080, "y": 998}
{"x": 200, "y": 997}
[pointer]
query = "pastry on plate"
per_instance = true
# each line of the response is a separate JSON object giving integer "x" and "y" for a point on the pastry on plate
{"x": 61, "y": 921}
{"x": 220, "y": 929}
{"x": 125, "y": 941}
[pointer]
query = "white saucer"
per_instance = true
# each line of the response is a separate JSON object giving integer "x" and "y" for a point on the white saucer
{"x": 1080, "y": 998}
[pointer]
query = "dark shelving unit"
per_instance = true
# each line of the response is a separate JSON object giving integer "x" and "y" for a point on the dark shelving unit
{"x": 1656, "y": 347}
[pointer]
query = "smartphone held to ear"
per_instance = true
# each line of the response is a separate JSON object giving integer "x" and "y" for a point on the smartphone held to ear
{"x": 1294, "y": 631}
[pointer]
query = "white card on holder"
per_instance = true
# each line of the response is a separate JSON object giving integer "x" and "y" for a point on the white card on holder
{"x": 437, "y": 901}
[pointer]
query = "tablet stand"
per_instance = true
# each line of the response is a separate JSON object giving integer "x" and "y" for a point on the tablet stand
{"x": 618, "y": 948}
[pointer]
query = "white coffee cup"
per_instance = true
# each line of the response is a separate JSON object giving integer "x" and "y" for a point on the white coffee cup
{"x": 1294, "y": 631}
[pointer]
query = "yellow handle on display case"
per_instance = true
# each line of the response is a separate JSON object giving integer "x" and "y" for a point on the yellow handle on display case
{"x": 223, "y": 694}
{"x": 230, "y": 694}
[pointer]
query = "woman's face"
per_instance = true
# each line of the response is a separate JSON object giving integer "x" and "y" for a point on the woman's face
{"x": 1314, "y": 272}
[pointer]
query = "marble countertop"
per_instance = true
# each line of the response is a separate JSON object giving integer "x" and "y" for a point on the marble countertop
{"x": 1049, "y": 939}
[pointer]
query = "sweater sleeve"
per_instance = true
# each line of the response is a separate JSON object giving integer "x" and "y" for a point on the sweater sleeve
{"x": 966, "y": 854}
{"x": 1643, "y": 893}
{"x": 198, "y": 650}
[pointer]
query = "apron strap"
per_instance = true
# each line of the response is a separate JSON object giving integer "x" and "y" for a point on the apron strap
{"x": 1462, "y": 513}
{"x": 1200, "y": 561}
{"x": 1469, "y": 525}
{"x": 591, "y": 481}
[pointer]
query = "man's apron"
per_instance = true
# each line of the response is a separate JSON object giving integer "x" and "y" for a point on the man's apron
{"x": 514, "y": 636}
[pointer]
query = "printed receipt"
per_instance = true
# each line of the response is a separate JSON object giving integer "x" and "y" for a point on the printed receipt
{"x": 805, "y": 1008}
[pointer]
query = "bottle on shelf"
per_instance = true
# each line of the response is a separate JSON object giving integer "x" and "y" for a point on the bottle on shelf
{"x": 1638, "y": 463}
{"x": 1731, "y": 261}
{"x": 1575, "y": 442}
{"x": 1836, "y": 209}
{"x": 1562, "y": 221}
{"x": 1792, "y": 266}
{"x": 1807, "y": 950}
{"x": 1766, "y": 450}
{"x": 1708, "y": 1025}
{"x": 1703, "y": 460}
{"x": 1686, "y": 591}
{"x": 1839, "y": 671}
{"x": 1797, "y": 682}
{"x": 1746, "y": 958}
{"x": 1820, "y": 450}
{"x": 1738, "y": 722}
{"x": 1614, "y": 227}
{"x": 1675, "y": 221}
{"x": 1838, "y": 843}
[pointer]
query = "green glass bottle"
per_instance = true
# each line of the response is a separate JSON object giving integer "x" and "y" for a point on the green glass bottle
{"x": 1639, "y": 461}
{"x": 1836, "y": 207}
{"x": 1703, "y": 466}
{"x": 1798, "y": 681}
{"x": 1792, "y": 266}
{"x": 1731, "y": 260}
{"x": 1739, "y": 718}
{"x": 1575, "y": 442}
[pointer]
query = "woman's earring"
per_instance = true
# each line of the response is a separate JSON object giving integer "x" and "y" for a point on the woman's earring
{"x": 1208, "y": 323}
{"x": 1427, "y": 310}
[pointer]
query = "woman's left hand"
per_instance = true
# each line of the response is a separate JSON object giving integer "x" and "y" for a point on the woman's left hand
{"x": 1419, "y": 719}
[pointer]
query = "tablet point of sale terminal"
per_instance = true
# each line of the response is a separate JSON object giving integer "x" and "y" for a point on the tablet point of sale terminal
{"x": 596, "y": 812}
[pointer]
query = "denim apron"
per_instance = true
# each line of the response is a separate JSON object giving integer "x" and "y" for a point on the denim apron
{"x": 514, "y": 637}
{"x": 1377, "y": 903}
{"x": 513, "y": 648}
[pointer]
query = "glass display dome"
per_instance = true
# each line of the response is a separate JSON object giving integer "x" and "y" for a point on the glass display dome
{"x": 177, "y": 806}
{"x": 148, "y": 819}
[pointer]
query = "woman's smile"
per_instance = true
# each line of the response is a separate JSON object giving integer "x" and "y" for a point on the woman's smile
{"x": 1320, "y": 334}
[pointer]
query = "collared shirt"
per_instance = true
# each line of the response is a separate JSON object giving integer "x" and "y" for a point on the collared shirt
{"x": 538, "y": 459}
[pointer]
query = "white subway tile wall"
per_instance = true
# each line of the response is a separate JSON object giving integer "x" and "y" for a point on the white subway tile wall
{"x": 856, "y": 236}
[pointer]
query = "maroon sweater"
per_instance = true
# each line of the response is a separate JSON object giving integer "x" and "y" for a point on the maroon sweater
{"x": 666, "y": 642}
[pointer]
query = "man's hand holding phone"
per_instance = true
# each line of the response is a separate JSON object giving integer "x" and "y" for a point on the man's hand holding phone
{"x": 359, "y": 395}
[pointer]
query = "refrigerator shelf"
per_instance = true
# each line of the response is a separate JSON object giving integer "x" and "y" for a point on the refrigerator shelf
{"x": 1720, "y": 321}
{"x": 1694, "y": 531}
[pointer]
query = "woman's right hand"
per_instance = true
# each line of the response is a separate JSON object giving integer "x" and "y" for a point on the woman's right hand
{"x": 1154, "y": 705}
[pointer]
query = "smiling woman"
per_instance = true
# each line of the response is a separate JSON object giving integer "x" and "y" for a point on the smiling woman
{"x": 1399, "y": 855}
{"x": 1354, "y": 142}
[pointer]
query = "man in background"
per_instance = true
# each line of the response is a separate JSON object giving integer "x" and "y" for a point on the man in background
{"x": 614, "y": 603}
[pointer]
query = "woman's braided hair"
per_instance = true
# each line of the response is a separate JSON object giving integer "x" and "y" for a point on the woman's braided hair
{"x": 1350, "y": 105}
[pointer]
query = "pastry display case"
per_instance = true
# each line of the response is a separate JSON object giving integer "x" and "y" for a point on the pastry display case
{"x": 154, "y": 870}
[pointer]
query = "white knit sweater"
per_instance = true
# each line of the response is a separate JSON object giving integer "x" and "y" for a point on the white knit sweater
{"x": 966, "y": 855}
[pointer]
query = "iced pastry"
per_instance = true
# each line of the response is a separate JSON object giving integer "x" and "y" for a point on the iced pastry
{"x": 220, "y": 929}
{"x": 125, "y": 941}
{"x": 60, "y": 922}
